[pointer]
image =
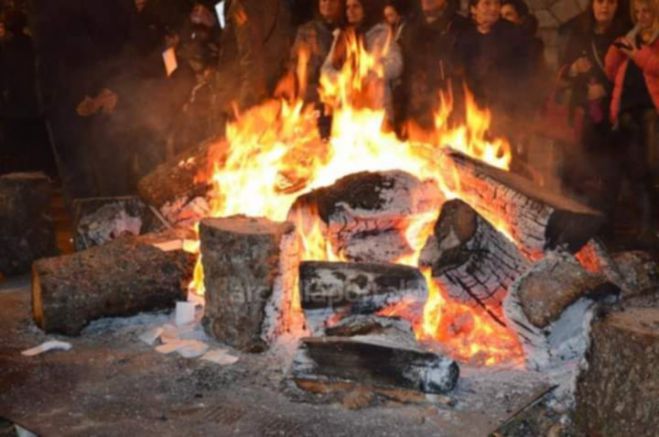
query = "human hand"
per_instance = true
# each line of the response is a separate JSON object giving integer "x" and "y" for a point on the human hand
{"x": 596, "y": 91}
{"x": 87, "y": 107}
{"x": 580, "y": 66}
{"x": 626, "y": 46}
{"x": 107, "y": 101}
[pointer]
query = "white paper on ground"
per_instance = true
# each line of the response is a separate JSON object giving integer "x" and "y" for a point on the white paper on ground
{"x": 185, "y": 348}
{"x": 149, "y": 337}
{"x": 170, "y": 346}
{"x": 185, "y": 313}
{"x": 221, "y": 357}
{"x": 169, "y": 59}
{"x": 47, "y": 346}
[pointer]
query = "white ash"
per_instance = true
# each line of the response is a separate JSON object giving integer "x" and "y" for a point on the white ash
{"x": 383, "y": 247}
{"x": 280, "y": 317}
{"x": 109, "y": 222}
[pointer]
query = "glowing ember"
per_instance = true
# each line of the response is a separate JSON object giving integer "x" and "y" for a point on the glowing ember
{"x": 273, "y": 154}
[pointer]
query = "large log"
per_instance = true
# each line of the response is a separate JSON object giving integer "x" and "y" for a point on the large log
{"x": 26, "y": 228}
{"x": 338, "y": 289}
{"x": 473, "y": 261}
{"x": 102, "y": 219}
{"x": 550, "y": 308}
{"x": 184, "y": 177}
{"x": 373, "y": 362}
{"x": 618, "y": 392}
{"x": 367, "y": 213}
{"x": 122, "y": 278}
{"x": 537, "y": 219}
{"x": 250, "y": 268}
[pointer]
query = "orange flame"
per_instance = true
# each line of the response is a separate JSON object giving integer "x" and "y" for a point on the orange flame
{"x": 273, "y": 154}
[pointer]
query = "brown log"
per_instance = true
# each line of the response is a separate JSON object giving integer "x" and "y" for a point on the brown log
{"x": 538, "y": 220}
{"x": 184, "y": 177}
{"x": 250, "y": 265}
{"x": 549, "y": 307}
{"x": 102, "y": 219}
{"x": 366, "y": 213}
{"x": 373, "y": 363}
{"x": 617, "y": 392}
{"x": 26, "y": 228}
{"x": 122, "y": 278}
{"x": 473, "y": 261}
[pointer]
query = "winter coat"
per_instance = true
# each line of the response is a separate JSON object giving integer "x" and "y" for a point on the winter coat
{"x": 254, "y": 50}
{"x": 495, "y": 64}
{"x": 430, "y": 60}
{"x": 315, "y": 38}
{"x": 647, "y": 59}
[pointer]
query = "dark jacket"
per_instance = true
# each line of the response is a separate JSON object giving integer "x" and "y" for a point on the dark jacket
{"x": 430, "y": 60}
{"x": 495, "y": 64}
{"x": 254, "y": 51}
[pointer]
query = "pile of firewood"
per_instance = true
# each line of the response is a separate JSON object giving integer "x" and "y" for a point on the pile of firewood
{"x": 524, "y": 256}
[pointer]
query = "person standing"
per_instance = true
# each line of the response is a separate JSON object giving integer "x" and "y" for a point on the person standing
{"x": 632, "y": 62}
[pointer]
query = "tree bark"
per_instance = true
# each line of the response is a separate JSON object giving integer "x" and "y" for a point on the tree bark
{"x": 617, "y": 393}
{"x": 26, "y": 228}
{"x": 122, "y": 278}
{"x": 250, "y": 266}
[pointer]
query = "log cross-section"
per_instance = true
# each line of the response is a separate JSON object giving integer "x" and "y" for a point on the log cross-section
{"x": 473, "y": 261}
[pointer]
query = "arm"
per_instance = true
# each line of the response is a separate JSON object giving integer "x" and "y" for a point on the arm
{"x": 613, "y": 61}
{"x": 647, "y": 59}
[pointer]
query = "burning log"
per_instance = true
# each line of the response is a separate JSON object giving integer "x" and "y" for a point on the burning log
{"x": 371, "y": 362}
{"x": 550, "y": 307}
{"x": 179, "y": 178}
{"x": 617, "y": 394}
{"x": 329, "y": 288}
{"x": 250, "y": 265}
{"x": 100, "y": 220}
{"x": 122, "y": 278}
{"x": 538, "y": 220}
{"x": 473, "y": 261}
{"x": 26, "y": 228}
{"x": 367, "y": 213}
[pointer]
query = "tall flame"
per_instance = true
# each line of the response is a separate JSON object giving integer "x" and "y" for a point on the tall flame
{"x": 274, "y": 154}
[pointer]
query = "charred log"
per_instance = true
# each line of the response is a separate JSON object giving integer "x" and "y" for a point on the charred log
{"x": 617, "y": 393}
{"x": 473, "y": 261}
{"x": 373, "y": 363}
{"x": 371, "y": 210}
{"x": 538, "y": 220}
{"x": 340, "y": 289}
{"x": 26, "y": 228}
{"x": 100, "y": 220}
{"x": 122, "y": 278}
{"x": 249, "y": 272}
{"x": 182, "y": 178}
{"x": 550, "y": 307}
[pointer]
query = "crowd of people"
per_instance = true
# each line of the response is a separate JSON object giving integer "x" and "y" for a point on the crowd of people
{"x": 125, "y": 84}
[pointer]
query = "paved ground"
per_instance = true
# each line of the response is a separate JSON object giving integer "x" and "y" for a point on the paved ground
{"x": 112, "y": 384}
